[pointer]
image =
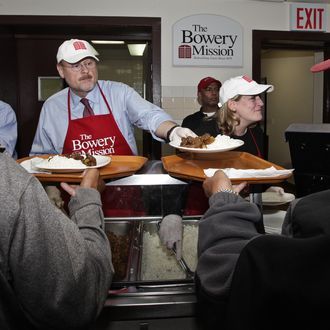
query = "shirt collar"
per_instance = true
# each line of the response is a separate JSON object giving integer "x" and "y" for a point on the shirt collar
{"x": 91, "y": 96}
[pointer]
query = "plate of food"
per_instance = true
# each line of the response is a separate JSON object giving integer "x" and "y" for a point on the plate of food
{"x": 70, "y": 163}
{"x": 207, "y": 144}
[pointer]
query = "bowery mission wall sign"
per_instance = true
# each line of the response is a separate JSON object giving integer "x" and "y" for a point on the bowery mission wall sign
{"x": 207, "y": 40}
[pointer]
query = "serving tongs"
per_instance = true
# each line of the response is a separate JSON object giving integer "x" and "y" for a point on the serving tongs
{"x": 189, "y": 273}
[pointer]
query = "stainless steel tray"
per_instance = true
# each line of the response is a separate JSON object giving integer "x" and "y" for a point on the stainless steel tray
{"x": 156, "y": 262}
{"x": 148, "y": 261}
{"x": 122, "y": 236}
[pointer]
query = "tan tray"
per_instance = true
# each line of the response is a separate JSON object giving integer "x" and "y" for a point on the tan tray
{"x": 191, "y": 166}
{"x": 119, "y": 166}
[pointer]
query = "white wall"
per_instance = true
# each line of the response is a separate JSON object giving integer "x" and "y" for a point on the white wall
{"x": 250, "y": 14}
{"x": 292, "y": 99}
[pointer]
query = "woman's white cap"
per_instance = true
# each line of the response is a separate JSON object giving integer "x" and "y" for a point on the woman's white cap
{"x": 241, "y": 85}
{"x": 74, "y": 50}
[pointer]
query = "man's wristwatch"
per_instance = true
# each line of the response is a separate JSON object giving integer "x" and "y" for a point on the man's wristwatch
{"x": 167, "y": 140}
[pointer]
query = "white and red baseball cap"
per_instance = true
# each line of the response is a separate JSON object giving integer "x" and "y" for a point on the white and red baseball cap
{"x": 242, "y": 85}
{"x": 74, "y": 50}
{"x": 321, "y": 66}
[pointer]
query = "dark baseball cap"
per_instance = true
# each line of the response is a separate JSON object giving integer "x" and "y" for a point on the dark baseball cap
{"x": 205, "y": 82}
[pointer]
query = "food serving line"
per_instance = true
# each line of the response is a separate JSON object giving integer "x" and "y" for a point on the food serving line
{"x": 150, "y": 288}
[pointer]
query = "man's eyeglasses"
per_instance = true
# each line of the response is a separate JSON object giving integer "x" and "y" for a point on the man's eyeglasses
{"x": 85, "y": 65}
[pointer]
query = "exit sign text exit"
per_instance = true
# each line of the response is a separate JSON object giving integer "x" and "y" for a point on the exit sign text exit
{"x": 308, "y": 17}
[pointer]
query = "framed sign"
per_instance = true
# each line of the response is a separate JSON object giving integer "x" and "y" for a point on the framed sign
{"x": 207, "y": 40}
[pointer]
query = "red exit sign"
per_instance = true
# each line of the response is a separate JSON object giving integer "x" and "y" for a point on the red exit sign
{"x": 308, "y": 17}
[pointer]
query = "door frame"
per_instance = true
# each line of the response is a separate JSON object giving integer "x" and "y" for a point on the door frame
{"x": 314, "y": 41}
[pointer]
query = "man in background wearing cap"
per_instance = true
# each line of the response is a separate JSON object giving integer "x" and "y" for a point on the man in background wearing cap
{"x": 94, "y": 116}
{"x": 241, "y": 111}
{"x": 203, "y": 121}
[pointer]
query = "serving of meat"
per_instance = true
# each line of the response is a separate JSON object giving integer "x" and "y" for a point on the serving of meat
{"x": 120, "y": 251}
{"x": 88, "y": 160}
{"x": 197, "y": 142}
{"x": 75, "y": 155}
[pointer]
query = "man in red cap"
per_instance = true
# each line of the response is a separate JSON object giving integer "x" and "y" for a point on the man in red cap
{"x": 203, "y": 121}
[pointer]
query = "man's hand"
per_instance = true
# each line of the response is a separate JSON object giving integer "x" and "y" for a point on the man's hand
{"x": 220, "y": 181}
{"x": 91, "y": 179}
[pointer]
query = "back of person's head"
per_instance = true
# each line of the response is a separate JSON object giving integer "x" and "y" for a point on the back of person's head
{"x": 241, "y": 85}
{"x": 308, "y": 216}
{"x": 281, "y": 283}
{"x": 75, "y": 50}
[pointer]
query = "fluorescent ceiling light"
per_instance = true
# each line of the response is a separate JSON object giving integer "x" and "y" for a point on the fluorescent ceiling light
{"x": 136, "y": 49}
{"x": 108, "y": 42}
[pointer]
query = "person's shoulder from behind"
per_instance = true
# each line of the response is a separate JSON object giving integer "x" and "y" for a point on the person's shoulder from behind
{"x": 13, "y": 175}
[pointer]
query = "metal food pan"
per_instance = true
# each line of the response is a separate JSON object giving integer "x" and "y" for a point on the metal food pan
{"x": 156, "y": 262}
{"x": 121, "y": 235}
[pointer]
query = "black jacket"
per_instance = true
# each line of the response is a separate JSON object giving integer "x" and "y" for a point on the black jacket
{"x": 200, "y": 124}
{"x": 251, "y": 281}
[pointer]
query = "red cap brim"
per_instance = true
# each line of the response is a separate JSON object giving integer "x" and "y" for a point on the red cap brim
{"x": 321, "y": 66}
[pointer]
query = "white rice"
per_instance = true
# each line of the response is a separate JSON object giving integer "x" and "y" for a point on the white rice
{"x": 63, "y": 162}
{"x": 159, "y": 263}
{"x": 223, "y": 141}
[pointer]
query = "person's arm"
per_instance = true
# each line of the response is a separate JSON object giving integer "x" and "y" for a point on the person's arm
{"x": 227, "y": 226}
{"x": 8, "y": 128}
{"x": 61, "y": 268}
{"x": 148, "y": 116}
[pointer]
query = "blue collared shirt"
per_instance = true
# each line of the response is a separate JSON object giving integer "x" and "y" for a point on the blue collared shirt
{"x": 8, "y": 128}
{"x": 128, "y": 108}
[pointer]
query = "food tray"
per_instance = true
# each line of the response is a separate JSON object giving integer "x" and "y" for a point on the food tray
{"x": 119, "y": 166}
{"x": 191, "y": 166}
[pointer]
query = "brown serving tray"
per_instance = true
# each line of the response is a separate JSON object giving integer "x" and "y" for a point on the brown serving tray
{"x": 119, "y": 166}
{"x": 191, "y": 166}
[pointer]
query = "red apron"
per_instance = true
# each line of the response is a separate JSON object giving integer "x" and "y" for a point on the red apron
{"x": 100, "y": 135}
{"x": 95, "y": 135}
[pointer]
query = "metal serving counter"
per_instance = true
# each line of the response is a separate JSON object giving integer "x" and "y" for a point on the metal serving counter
{"x": 150, "y": 290}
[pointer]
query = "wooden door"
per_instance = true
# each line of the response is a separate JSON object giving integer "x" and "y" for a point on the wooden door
{"x": 35, "y": 58}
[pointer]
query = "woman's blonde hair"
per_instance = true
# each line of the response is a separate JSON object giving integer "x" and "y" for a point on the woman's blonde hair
{"x": 226, "y": 118}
